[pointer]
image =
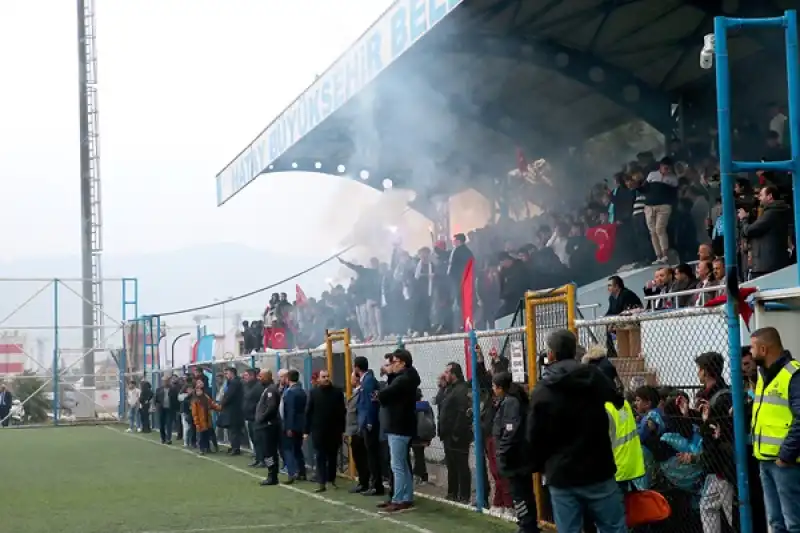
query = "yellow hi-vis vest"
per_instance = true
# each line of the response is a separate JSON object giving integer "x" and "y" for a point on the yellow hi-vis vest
{"x": 628, "y": 454}
{"x": 772, "y": 415}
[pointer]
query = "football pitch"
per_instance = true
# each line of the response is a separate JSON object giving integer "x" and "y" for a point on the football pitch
{"x": 99, "y": 479}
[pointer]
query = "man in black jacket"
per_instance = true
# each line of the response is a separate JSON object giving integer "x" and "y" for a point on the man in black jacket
{"x": 167, "y": 405}
{"x": 769, "y": 234}
{"x": 232, "y": 400}
{"x": 267, "y": 426}
{"x": 455, "y": 432}
{"x": 325, "y": 417}
{"x": 399, "y": 399}
{"x": 252, "y": 394}
{"x": 569, "y": 440}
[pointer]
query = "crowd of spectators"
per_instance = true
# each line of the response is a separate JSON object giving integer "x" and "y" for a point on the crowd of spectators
{"x": 654, "y": 211}
{"x": 677, "y": 442}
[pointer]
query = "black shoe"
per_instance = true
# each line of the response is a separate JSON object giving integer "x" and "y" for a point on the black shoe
{"x": 169, "y": 442}
{"x": 163, "y": 442}
{"x": 269, "y": 482}
{"x": 216, "y": 448}
{"x": 373, "y": 492}
{"x": 357, "y": 489}
{"x": 289, "y": 481}
{"x": 319, "y": 489}
{"x": 334, "y": 485}
{"x": 235, "y": 452}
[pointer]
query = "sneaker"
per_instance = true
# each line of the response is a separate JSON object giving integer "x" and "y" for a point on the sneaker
{"x": 128, "y": 430}
{"x": 357, "y": 489}
{"x": 138, "y": 430}
{"x": 269, "y": 482}
{"x": 398, "y": 507}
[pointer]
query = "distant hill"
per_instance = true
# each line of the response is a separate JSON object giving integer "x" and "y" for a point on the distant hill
{"x": 168, "y": 281}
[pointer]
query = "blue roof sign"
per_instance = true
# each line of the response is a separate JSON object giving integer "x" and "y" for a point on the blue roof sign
{"x": 403, "y": 24}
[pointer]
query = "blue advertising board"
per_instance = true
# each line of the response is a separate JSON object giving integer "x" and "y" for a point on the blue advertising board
{"x": 403, "y": 24}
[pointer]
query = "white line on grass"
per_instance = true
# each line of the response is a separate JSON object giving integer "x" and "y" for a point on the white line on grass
{"x": 292, "y": 488}
{"x": 261, "y": 526}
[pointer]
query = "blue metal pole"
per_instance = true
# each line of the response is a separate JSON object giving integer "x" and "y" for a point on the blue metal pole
{"x": 158, "y": 344}
{"x": 730, "y": 232}
{"x": 480, "y": 489}
{"x": 252, "y": 361}
{"x": 56, "y": 348}
{"x": 793, "y": 91}
{"x": 122, "y": 367}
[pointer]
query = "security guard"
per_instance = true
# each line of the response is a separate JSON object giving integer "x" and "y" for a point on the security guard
{"x": 776, "y": 428}
{"x": 628, "y": 453}
{"x": 267, "y": 426}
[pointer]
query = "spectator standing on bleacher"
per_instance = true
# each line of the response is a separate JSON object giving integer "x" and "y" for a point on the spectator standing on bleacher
{"x": 568, "y": 437}
{"x": 776, "y": 429}
{"x": 661, "y": 189}
{"x": 768, "y": 236}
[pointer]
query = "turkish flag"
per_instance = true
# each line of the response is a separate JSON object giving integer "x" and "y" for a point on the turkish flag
{"x": 605, "y": 237}
{"x": 739, "y": 295}
{"x": 467, "y": 290}
{"x": 275, "y": 338}
{"x": 300, "y": 297}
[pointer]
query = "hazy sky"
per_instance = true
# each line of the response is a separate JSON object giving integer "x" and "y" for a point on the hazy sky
{"x": 184, "y": 86}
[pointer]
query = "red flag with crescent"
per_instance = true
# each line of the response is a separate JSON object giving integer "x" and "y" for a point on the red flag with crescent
{"x": 605, "y": 237}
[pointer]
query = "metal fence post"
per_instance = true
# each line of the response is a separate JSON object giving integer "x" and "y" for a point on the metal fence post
{"x": 730, "y": 232}
{"x": 480, "y": 465}
{"x": 122, "y": 366}
{"x": 56, "y": 349}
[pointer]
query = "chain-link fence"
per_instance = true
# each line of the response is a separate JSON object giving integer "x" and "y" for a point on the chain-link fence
{"x": 674, "y": 369}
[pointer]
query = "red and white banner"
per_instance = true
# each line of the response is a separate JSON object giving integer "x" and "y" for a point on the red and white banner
{"x": 300, "y": 296}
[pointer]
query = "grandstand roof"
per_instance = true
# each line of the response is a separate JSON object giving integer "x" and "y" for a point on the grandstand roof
{"x": 455, "y": 85}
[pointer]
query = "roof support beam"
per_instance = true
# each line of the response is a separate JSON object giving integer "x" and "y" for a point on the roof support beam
{"x": 616, "y": 84}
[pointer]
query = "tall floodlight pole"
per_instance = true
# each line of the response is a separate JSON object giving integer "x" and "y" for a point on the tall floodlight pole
{"x": 91, "y": 220}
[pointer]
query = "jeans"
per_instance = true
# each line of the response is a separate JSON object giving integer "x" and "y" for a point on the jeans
{"x": 399, "y": 446}
{"x": 293, "y": 457}
{"x": 781, "y": 496}
{"x": 603, "y": 501}
{"x": 134, "y": 422}
{"x": 165, "y": 419}
{"x": 716, "y": 500}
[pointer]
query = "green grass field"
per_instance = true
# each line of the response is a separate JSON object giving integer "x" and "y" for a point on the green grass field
{"x": 101, "y": 480}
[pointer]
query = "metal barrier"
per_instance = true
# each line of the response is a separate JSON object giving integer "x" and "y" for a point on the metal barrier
{"x": 53, "y": 377}
{"x": 461, "y": 467}
{"x": 689, "y": 451}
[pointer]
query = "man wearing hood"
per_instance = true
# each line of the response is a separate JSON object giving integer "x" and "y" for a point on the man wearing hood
{"x": 769, "y": 234}
{"x": 399, "y": 399}
{"x": 568, "y": 432}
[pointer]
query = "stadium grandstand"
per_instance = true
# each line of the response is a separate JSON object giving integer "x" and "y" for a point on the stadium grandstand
{"x": 585, "y": 140}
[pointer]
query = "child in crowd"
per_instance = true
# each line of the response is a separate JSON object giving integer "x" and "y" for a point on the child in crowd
{"x": 202, "y": 405}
